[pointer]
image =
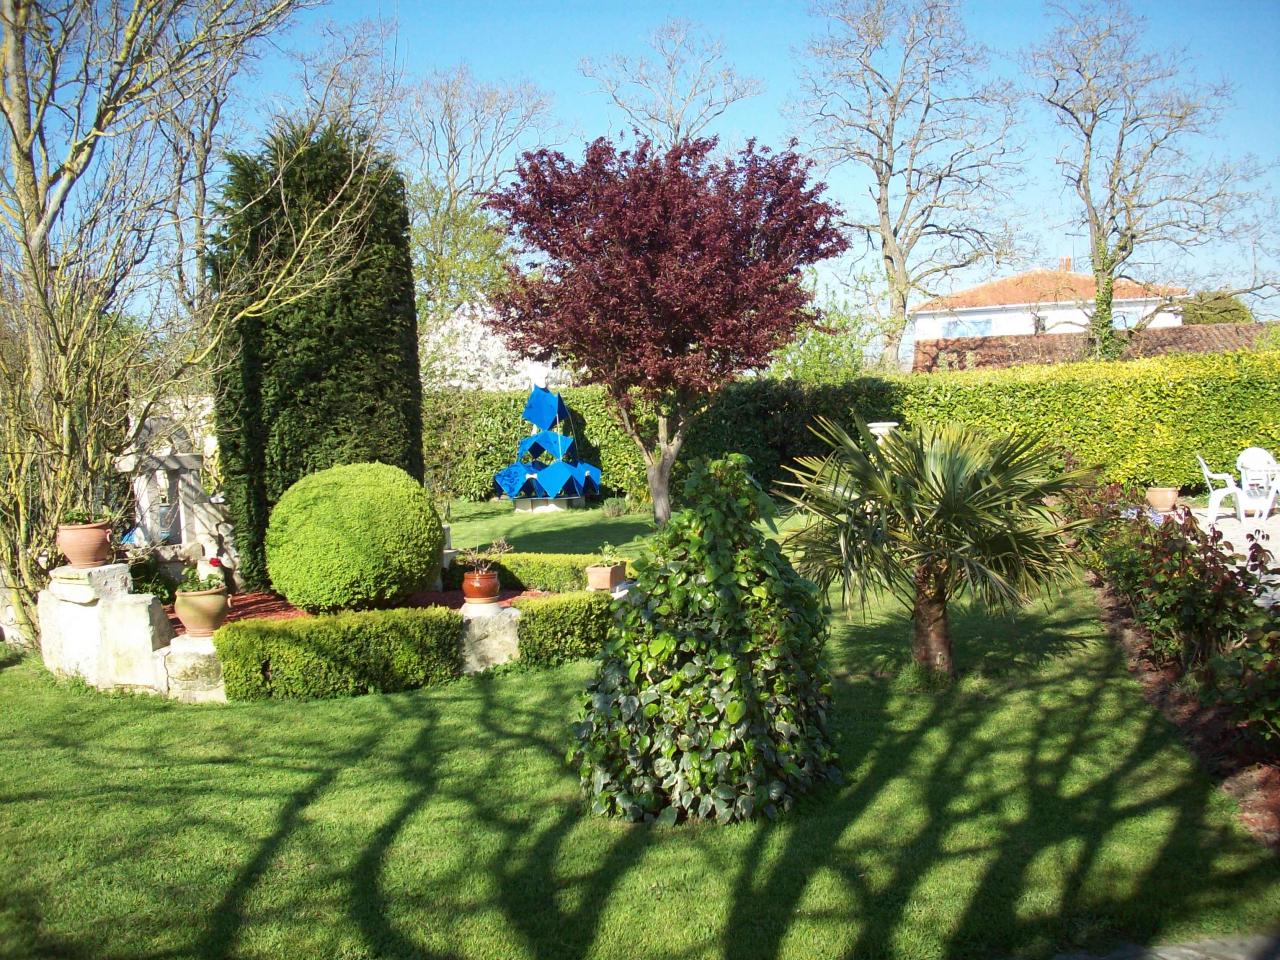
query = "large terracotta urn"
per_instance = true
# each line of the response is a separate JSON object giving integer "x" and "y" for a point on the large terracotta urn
{"x": 1163, "y": 499}
{"x": 201, "y": 611}
{"x": 480, "y": 587}
{"x": 85, "y": 544}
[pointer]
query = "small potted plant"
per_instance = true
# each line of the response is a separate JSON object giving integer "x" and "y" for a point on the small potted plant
{"x": 201, "y": 603}
{"x": 1163, "y": 499}
{"x": 480, "y": 582}
{"x": 609, "y": 572}
{"x": 84, "y": 538}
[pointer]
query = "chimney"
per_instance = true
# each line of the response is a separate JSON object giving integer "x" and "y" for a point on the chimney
{"x": 1064, "y": 264}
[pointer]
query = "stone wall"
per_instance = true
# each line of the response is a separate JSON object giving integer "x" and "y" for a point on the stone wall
{"x": 966, "y": 353}
{"x": 93, "y": 627}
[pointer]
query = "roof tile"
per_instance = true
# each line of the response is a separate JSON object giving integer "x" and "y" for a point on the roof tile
{"x": 1041, "y": 286}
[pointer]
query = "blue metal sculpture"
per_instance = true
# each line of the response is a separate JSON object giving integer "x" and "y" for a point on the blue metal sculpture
{"x": 547, "y": 465}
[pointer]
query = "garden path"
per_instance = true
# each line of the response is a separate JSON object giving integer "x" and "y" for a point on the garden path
{"x": 1245, "y": 948}
{"x": 1236, "y": 533}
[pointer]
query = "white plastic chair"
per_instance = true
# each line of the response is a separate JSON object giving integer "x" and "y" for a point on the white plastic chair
{"x": 1259, "y": 483}
{"x": 1218, "y": 494}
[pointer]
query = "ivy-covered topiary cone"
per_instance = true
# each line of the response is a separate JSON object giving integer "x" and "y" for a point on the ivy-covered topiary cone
{"x": 711, "y": 695}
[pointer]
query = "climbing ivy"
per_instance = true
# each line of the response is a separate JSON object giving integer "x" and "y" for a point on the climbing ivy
{"x": 710, "y": 697}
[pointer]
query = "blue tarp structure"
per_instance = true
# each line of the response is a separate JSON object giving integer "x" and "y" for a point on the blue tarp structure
{"x": 547, "y": 462}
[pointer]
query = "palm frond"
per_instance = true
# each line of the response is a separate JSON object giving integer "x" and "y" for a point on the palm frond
{"x": 971, "y": 505}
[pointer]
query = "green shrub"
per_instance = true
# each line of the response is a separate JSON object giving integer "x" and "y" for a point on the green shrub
{"x": 710, "y": 697}
{"x": 1184, "y": 587}
{"x": 552, "y": 572}
{"x": 353, "y": 537}
{"x": 615, "y": 507}
{"x": 149, "y": 577}
{"x": 570, "y": 626}
{"x": 342, "y": 655}
{"x": 1199, "y": 608}
{"x": 1142, "y": 421}
{"x": 1215, "y": 307}
{"x": 1245, "y": 683}
{"x": 329, "y": 378}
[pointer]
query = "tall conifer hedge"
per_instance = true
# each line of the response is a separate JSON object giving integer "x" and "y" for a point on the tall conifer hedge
{"x": 331, "y": 378}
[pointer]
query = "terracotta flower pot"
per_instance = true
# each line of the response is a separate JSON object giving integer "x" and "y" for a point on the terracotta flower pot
{"x": 1162, "y": 498}
{"x": 85, "y": 544}
{"x": 606, "y": 577}
{"x": 201, "y": 611}
{"x": 480, "y": 587}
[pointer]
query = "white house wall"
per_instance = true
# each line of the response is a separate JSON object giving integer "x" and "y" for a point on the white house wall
{"x": 1019, "y": 320}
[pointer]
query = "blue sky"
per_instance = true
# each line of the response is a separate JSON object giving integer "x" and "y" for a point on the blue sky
{"x": 544, "y": 41}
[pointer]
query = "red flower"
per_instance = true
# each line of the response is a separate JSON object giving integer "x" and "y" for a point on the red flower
{"x": 215, "y": 562}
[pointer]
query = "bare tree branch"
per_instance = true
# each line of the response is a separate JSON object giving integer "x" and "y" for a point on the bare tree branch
{"x": 681, "y": 91}
{"x": 460, "y": 136}
{"x": 896, "y": 88}
{"x": 1134, "y": 134}
{"x": 112, "y": 123}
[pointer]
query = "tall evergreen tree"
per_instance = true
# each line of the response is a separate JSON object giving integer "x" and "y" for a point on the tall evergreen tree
{"x": 331, "y": 378}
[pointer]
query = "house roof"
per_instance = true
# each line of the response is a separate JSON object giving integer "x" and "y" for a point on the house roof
{"x": 1041, "y": 286}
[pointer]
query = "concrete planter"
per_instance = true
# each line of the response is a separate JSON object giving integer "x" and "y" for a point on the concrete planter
{"x": 606, "y": 577}
{"x": 85, "y": 545}
{"x": 201, "y": 611}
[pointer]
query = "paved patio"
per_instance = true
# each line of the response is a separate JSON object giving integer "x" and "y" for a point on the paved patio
{"x": 1236, "y": 533}
{"x": 1242, "y": 948}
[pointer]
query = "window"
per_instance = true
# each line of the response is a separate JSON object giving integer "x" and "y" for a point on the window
{"x": 967, "y": 327}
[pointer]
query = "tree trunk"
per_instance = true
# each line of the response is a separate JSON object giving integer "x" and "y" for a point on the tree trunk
{"x": 899, "y": 318}
{"x": 931, "y": 641}
{"x": 659, "y": 472}
{"x": 659, "y": 457}
{"x": 1103, "y": 341}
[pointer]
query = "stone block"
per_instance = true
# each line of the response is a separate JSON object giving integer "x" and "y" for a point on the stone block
{"x": 92, "y": 627}
{"x": 134, "y": 627}
{"x": 489, "y": 637}
{"x": 193, "y": 671}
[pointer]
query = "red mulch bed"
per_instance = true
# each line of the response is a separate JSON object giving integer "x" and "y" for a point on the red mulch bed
{"x": 268, "y": 606}
{"x": 1253, "y": 779}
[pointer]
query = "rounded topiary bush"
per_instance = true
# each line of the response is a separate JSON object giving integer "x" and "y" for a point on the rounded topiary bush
{"x": 352, "y": 538}
{"x": 710, "y": 697}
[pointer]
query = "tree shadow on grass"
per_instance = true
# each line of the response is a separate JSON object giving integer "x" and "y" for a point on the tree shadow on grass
{"x": 995, "y": 645}
{"x": 1019, "y": 821}
{"x": 222, "y": 929}
{"x": 557, "y": 917}
{"x": 1037, "y": 805}
{"x": 10, "y": 657}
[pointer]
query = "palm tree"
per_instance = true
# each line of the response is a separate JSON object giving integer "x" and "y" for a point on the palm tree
{"x": 929, "y": 514}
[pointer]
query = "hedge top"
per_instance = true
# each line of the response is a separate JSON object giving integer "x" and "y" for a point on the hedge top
{"x": 1142, "y": 421}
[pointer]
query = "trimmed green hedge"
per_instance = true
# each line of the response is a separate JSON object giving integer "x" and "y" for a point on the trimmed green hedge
{"x": 313, "y": 658}
{"x": 556, "y": 630}
{"x": 1143, "y": 421}
{"x": 327, "y": 378}
{"x": 353, "y": 537}
{"x": 552, "y": 572}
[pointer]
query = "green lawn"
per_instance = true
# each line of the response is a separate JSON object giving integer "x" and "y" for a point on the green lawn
{"x": 1040, "y": 805}
{"x": 562, "y": 531}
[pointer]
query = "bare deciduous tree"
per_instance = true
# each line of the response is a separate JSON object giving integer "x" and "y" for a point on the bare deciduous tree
{"x": 110, "y": 130}
{"x": 1132, "y": 123}
{"x": 680, "y": 92}
{"x": 458, "y": 137}
{"x": 898, "y": 91}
